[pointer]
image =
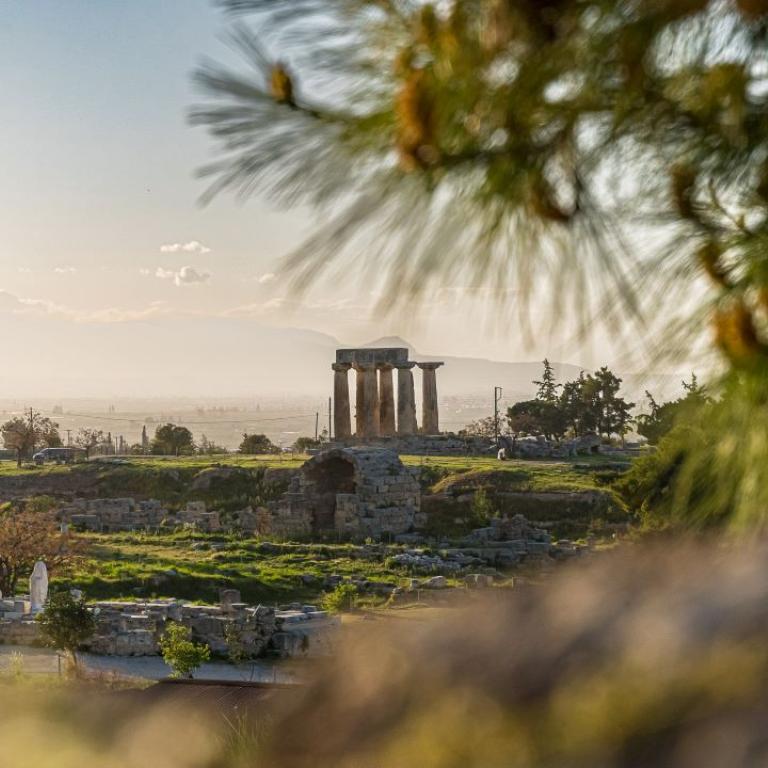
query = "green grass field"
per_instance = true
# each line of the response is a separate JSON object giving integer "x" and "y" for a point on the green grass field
{"x": 196, "y": 566}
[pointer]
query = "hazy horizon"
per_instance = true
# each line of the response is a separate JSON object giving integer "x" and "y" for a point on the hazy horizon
{"x": 115, "y": 281}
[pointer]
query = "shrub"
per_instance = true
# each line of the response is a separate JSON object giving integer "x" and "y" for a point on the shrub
{"x": 66, "y": 623}
{"x": 179, "y": 652}
{"x": 343, "y": 598}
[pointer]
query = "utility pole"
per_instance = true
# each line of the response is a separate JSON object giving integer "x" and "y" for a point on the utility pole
{"x": 317, "y": 424}
{"x": 69, "y": 437}
{"x": 330, "y": 431}
{"x": 497, "y": 392}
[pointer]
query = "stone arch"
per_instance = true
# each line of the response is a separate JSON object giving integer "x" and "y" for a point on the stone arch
{"x": 329, "y": 475}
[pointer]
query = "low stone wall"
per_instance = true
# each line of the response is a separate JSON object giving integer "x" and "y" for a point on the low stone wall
{"x": 135, "y": 628}
{"x": 447, "y": 444}
{"x": 127, "y": 514}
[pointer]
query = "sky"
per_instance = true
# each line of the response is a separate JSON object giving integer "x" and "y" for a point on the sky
{"x": 104, "y": 245}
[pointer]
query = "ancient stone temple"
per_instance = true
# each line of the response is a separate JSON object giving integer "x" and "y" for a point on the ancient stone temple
{"x": 378, "y": 412}
{"x": 350, "y": 492}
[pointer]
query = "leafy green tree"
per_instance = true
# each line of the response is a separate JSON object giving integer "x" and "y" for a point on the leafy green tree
{"x": 172, "y": 440}
{"x": 257, "y": 444}
{"x": 66, "y": 623}
{"x": 180, "y": 653}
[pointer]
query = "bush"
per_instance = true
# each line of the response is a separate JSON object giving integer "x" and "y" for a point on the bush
{"x": 179, "y": 652}
{"x": 66, "y": 623}
{"x": 343, "y": 598}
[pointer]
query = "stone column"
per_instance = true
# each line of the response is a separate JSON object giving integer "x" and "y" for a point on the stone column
{"x": 430, "y": 421}
{"x": 386, "y": 400}
{"x": 342, "y": 428}
{"x": 406, "y": 400}
{"x": 367, "y": 401}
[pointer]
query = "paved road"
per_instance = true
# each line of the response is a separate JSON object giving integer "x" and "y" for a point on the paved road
{"x": 44, "y": 661}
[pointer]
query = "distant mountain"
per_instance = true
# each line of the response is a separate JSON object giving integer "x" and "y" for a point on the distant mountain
{"x": 47, "y": 355}
{"x": 477, "y": 375}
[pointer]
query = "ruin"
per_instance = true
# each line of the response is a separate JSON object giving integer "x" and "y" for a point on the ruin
{"x": 351, "y": 492}
{"x": 378, "y": 413}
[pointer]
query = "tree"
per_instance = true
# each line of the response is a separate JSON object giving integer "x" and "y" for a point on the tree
{"x": 179, "y": 652}
{"x": 23, "y": 434}
{"x": 172, "y": 440}
{"x": 304, "y": 444}
{"x": 256, "y": 444}
{"x": 209, "y": 447}
{"x": 66, "y": 623}
{"x": 523, "y": 142}
{"x": 30, "y": 533}
{"x": 662, "y": 418}
{"x": 612, "y": 412}
{"x": 416, "y": 129}
{"x": 547, "y": 387}
{"x": 485, "y": 427}
{"x": 88, "y": 439}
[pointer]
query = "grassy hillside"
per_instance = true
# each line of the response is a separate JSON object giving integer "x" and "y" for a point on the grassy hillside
{"x": 195, "y": 566}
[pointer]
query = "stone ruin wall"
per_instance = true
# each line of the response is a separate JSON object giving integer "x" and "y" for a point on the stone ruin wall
{"x": 135, "y": 628}
{"x": 127, "y": 514}
{"x": 374, "y": 495}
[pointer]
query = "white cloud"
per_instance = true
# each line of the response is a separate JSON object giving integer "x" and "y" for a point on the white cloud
{"x": 184, "y": 276}
{"x": 64, "y": 270}
{"x": 189, "y": 275}
{"x": 267, "y": 278}
{"x": 193, "y": 246}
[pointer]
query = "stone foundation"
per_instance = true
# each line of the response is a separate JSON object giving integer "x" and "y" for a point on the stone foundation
{"x": 113, "y": 515}
{"x": 135, "y": 628}
{"x": 348, "y": 492}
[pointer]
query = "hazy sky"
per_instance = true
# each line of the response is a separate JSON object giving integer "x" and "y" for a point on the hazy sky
{"x": 98, "y": 199}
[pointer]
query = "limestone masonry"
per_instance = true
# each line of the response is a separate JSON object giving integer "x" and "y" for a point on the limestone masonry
{"x": 355, "y": 492}
{"x": 375, "y": 412}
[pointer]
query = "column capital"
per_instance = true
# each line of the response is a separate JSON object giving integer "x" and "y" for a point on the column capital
{"x": 429, "y": 366}
{"x": 341, "y": 367}
{"x": 384, "y": 366}
{"x": 362, "y": 367}
{"x": 405, "y": 365}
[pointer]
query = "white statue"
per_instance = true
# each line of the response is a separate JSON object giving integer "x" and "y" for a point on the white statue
{"x": 38, "y": 586}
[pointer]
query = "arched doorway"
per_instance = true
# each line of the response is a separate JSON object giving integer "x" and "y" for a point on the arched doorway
{"x": 329, "y": 477}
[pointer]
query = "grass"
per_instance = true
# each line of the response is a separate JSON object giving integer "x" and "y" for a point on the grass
{"x": 195, "y": 463}
{"x": 195, "y": 566}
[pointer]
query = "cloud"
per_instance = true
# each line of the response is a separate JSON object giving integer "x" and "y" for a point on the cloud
{"x": 193, "y": 246}
{"x": 64, "y": 270}
{"x": 267, "y": 278}
{"x": 184, "y": 276}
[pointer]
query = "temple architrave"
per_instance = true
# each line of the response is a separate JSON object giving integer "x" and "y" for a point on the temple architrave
{"x": 376, "y": 414}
